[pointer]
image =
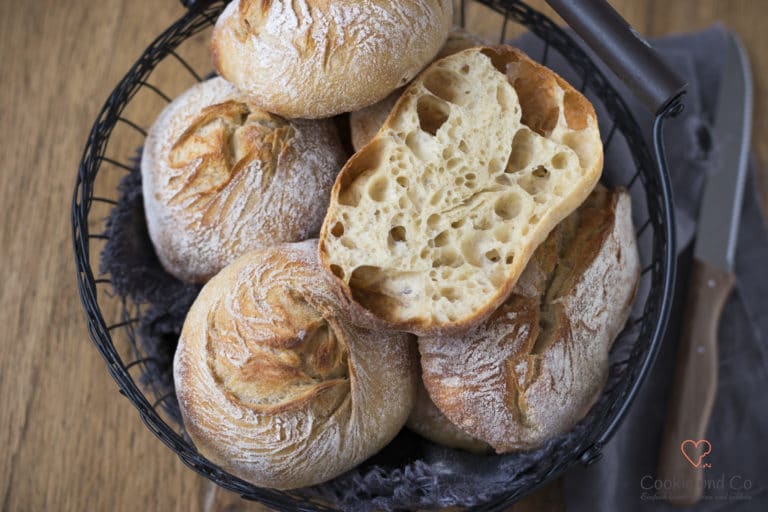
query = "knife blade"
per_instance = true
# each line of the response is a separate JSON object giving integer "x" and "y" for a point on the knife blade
{"x": 684, "y": 446}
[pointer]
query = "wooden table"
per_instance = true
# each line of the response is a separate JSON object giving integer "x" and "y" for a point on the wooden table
{"x": 70, "y": 442}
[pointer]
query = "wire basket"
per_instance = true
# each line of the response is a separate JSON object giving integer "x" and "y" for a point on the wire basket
{"x": 135, "y": 102}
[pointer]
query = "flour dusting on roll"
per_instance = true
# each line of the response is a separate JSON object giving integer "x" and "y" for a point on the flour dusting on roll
{"x": 221, "y": 177}
{"x": 319, "y": 58}
{"x": 275, "y": 383}
{"x": 536, "y": 366}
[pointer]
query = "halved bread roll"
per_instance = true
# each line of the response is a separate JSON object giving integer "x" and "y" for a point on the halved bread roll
{"x": 276, "y": 384}
{"x": 536, "y": 366}
{"x": 431, "y": 224}
{"x": 366, "y": 122}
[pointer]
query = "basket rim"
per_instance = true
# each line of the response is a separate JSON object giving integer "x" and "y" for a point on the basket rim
{"x": 99, "y": 332}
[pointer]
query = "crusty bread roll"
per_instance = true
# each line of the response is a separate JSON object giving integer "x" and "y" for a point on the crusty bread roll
{"x": 365, "y": 123}
{"x": 221, "y": 177}
{"x": 427, "y": 421}
{"x": 537, "y": 365}
{"x": 276, "y": 385}
{"x": 431, "y": 224}
{"x": 316, "y": 58}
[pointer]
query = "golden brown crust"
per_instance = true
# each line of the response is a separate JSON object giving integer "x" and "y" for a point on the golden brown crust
{"x": 319, "y": 58}
{"x": 427, "y": 421}
{"x": 276, "y": 384}
{"x": 221, "y": 177}
{"x": 534, "y": 368}
{"x": 576, "y": 131}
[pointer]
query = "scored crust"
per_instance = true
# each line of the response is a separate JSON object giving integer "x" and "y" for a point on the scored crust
{"x": 274, "y": 382}
{"x": 536, "y": 366}
{"x": 431, "y": 224}
{"x": 319, "y": 58}
{"x": 221, "y": 177}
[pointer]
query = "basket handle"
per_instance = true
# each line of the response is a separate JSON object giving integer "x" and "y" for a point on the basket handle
{"x": 624, "y": 51}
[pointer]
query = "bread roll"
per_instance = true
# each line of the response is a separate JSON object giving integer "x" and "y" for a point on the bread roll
{"x": 366, "y": 122}
{"x": 431, "y": 224}
{"x": 276, "y": 385}
{"x": 320, "y": 58}
{"x": 427, "y": 421}
{"x": 536, "y": 366}
{"x": 221, "y": 177}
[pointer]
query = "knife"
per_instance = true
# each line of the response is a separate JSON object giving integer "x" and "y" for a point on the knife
{"x": 684, "y": 446}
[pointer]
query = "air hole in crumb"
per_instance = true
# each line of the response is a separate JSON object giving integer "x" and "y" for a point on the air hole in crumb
{"x": 442, "y": 83}
{"x": 452, "y": 163}
{"x": 499, "y": 60}
{"x": 337, "y": 271}
{"x": 530, "y": 184}
{"x": 432, "y": 220}
{"x": 482, "y": 224}
{"x": 436, "y": 197}
{"x": 503, "y": 180}
{"x": 378, "y": 188}
{"x": 458, "y": 181}
{"x": 507, "y": 206}
{"x": 447, "y": 257}
{"x": 560, "y": 160}
{"x": 402, "y": 181}
{"x": 465, "y": 69}
{"x": 450, "y": 293}
{"x": 541, "y": 172}
{"x": 493, "y": 255}
{"x": 358, "y": 170}
{"x": 504, "y": 98}
{"x": 397, "y": 233}
{"x": 424, "y": 253}
{"x": 463, "y": 147}
{"x": 457, "y": 223}
{"x": 337, "y": 230}
{"x": 402, "y": 203}
{"x": 442, "y": 239}
{"x": 509, "y": 259}
{"x": 522, "y": 151}
{"x": 470, "y": 176}
{"x": 579, "y": 143}
{"x": 414, "y": 144}
{"x": 349, "y": 244}
{"x": 501, "y": 233}
{"x": 494, "y": 166}
{"x": 433, "y": 113}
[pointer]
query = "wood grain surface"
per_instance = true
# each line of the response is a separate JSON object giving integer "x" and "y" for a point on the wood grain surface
{"x": 70, "y": 441}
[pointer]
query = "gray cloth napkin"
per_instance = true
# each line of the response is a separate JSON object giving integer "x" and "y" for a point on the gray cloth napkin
{"x": 625, "y": 477}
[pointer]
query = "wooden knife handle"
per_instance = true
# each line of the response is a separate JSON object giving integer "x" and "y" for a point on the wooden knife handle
{"x": 695, "y": 383}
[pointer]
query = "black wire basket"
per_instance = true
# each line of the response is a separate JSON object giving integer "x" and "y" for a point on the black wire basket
{"x": 118, "y": 131}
